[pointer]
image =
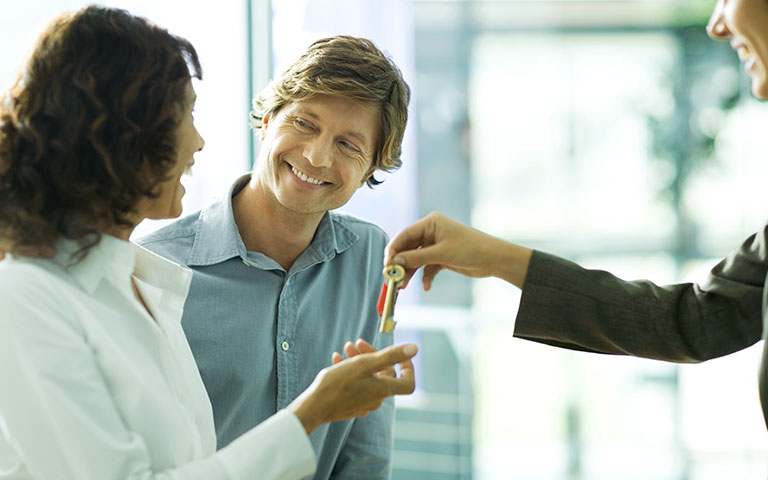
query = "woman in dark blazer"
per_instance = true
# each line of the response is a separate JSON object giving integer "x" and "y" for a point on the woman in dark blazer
{"x": 565, "y": 305}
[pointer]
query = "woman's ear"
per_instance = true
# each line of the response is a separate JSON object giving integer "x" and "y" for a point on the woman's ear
{"x": 264, "y": 126}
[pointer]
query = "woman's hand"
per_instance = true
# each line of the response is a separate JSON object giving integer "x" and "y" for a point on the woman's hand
{"x": 436, "y": 242}
{"x": 353, "y": 387}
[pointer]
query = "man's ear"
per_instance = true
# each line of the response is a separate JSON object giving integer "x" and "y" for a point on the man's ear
{"x": 367, "y": 176}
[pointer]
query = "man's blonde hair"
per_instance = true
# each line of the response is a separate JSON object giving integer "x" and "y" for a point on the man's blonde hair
{"x": 353, "y": 68}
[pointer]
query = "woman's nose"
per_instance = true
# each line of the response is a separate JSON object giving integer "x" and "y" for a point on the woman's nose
{"x": 716, "y": 27}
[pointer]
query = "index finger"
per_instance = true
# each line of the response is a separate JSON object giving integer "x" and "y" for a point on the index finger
{"x": 387, "y": 357}
{"x": 412, "y": 237}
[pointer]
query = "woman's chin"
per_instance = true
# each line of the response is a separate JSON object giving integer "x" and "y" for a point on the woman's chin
{"x": 177, "y": 207}
{"x": 760, "y": 84}
{"x": 175, "y": 211}
{"x": 760, "y": 90}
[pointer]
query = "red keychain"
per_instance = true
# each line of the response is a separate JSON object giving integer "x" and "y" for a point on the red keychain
{"x": 382, "y": 299}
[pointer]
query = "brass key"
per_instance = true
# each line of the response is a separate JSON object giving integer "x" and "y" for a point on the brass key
{"x": 393, "y": 278}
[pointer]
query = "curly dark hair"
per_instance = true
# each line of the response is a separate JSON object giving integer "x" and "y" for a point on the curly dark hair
{"x": 88, "y": 128}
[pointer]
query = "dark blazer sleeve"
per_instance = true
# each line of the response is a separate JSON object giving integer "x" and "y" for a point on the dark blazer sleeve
{"x": 568, "y": 306}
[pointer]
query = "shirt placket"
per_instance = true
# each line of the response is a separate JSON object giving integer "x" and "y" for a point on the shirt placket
{"x": 176, "y": 377}
{"x": 167, "y": 347}
{"x": 287, "y": 354}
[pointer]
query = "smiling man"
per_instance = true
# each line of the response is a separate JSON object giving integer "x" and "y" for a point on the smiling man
{"x": 280, "y": 281}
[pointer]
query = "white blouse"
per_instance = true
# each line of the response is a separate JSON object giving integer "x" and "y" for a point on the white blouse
{"x": 92, "y": 387}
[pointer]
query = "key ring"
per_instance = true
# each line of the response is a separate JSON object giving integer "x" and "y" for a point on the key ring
{"x": 394, "y": 272}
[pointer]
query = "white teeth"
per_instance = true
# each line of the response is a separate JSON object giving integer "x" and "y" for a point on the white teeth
{"x": 744, "y": 54}
{"x": 304, "y": 177}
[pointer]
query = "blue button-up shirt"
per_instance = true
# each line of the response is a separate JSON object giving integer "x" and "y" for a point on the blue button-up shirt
{"x": 260, "y": 334}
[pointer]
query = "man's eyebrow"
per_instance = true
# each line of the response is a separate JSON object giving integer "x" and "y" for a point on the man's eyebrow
{"x": 359, "y": 136}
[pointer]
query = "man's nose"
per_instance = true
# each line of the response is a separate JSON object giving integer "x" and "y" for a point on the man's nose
{"x": 716, "y": 27}
{"x": 318, "y": 152}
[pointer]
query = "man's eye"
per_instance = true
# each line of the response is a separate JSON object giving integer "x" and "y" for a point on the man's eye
{"x": 302, "y": 124}
{"x": 348, "y": 146}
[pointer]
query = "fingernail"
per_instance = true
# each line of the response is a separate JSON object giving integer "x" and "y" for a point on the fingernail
{"x": 398, "y": 261}
{"x": 410, "y": 350}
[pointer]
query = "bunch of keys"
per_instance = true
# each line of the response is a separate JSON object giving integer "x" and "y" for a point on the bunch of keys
{"x": 393, "y": 278}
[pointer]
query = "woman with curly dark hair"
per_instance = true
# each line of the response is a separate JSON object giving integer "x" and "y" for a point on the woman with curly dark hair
{"x": 98, "y": 381}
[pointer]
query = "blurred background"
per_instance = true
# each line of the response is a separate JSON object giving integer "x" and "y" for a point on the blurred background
{"x": 611, "y": 132}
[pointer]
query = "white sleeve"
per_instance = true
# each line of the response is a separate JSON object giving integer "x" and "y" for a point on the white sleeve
{"x": 283, "y": 444}
{"x": 60, "y": 417}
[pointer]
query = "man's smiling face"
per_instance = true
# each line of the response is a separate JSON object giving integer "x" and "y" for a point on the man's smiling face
{"x": 316, "y": 153}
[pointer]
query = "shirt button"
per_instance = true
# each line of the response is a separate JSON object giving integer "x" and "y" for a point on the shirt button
{"x": 285, "y": 346}
{"x": 287, "y": 282}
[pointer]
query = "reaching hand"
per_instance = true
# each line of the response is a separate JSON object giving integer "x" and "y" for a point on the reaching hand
{"x": 353, "y": 387}
{"x": 436, "y": 242}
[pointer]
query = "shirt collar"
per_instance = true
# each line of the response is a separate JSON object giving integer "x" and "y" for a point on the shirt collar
{"x": 116, "y": 260}
{"x": 111, "y": 258}
{"x": 217, "y": 238}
